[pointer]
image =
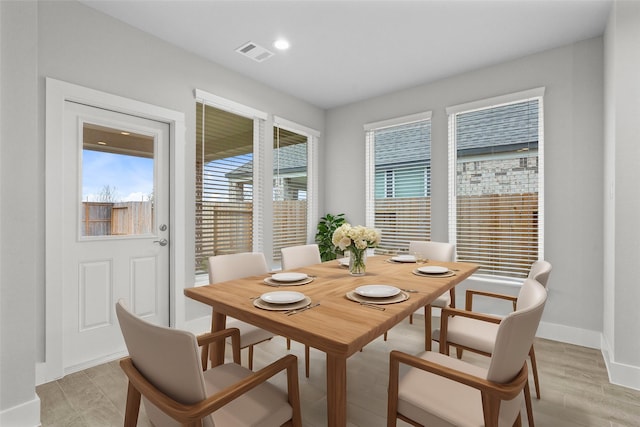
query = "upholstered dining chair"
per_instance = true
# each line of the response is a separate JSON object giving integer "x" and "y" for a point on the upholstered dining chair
{"x": 297, "y": 257}
{"x": 439, "y": 390}
{"x": 235, "y": 266}
{"x": 434, "y": 251}
{"x": 462, "y": 332}
{"x": 165, "y": 369}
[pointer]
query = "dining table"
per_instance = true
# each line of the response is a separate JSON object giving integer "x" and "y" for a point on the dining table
{"x": 340, "y": 321}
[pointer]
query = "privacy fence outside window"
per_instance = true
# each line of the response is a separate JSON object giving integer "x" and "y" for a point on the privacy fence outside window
{"x": 226, "y": 216}
{"x": 496, "y": 183}
{"x": 398, "y": 155}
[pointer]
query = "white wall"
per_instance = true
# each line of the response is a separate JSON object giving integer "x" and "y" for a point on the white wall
{"x": 621, "y": 342}
{"x": 573, "y": 114}
{"x": 21, "y": 266}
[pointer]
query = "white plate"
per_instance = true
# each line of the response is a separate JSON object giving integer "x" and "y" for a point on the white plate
{"x": 288, "y": 277}
{"x": 282, "y": 297}
{"x": 344, "y": 261}
{"x": 433, "y": 269}
{"x": 377, "y": 291}
{"x": 404, "y": 258}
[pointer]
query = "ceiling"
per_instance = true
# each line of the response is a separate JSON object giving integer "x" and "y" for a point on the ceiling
{"x": 346, "y": 51}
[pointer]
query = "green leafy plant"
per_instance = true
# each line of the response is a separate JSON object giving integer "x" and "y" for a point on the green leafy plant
{"x": 326, "y": 226}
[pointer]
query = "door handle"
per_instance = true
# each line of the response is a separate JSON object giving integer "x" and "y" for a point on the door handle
{"x": 162, "y": 242}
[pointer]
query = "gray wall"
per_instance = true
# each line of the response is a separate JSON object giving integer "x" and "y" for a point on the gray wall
{"x": 621, "y": 195}
{"x": 573, "y": 123}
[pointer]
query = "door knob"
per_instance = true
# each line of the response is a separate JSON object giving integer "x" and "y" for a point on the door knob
{"x": 162, "y": 242}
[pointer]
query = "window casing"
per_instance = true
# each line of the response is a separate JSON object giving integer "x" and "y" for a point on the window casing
{"x": 496, "y": 177}
{"x": 399, "y": 180}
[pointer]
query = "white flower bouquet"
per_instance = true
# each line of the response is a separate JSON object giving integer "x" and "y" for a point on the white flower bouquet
{"x": 356, "y": 239}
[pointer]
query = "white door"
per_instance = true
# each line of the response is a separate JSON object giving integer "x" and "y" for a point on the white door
{"x": 116, "y": 228}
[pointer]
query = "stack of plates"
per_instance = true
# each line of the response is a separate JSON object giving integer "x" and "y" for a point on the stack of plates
{"x": 288, "y": 279}
{"x": 377, "y": 294}
{"x": 433, "y": 271}
{"x": 282, "y": 301}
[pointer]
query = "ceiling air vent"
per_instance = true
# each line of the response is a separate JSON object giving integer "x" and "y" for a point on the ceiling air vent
{"x": 255, "y": 52}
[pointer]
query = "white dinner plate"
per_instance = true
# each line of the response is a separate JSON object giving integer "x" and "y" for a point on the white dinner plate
{"x": 404, "y": 258}
{"x": 377, "y": 291}
{"x": 282, "y": 297}
{"x": 433, "y": 269}
{"x": 288, "y": 277}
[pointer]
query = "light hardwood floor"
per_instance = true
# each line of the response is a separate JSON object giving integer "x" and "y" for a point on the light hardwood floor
{"x": 574, "y": 383}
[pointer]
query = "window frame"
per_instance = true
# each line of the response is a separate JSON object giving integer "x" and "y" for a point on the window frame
{"x": 452, "y": 113}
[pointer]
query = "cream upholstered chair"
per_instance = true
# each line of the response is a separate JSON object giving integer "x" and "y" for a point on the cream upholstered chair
{"x": 476, "y": 336}
{"x": 439, "y": 390}
{"x": 434, "y": 251}
{"x": 297, "y": 257}
{"x": 235, "y": 266}
{"x": 165, "y": 369}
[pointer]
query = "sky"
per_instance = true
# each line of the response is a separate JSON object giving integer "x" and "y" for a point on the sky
{"x": 130, "y": 177}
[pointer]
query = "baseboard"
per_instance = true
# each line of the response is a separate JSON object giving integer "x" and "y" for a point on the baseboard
{"x": 24, "y": 415}
{"x": 619, "y": 373}
{"x": 570, "y": 335}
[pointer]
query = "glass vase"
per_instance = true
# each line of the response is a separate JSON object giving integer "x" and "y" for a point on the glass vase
{"x": 357, "y": 262}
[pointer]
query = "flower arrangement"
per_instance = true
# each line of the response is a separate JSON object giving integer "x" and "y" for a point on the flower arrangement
{"x": 356, "y": 239}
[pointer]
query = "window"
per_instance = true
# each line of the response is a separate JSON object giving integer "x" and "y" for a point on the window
{"x": 290, "y": 188}
{"x": 228, "y": 215}
{"x": 399, "y": 180}
{"x": 496, "y": 183}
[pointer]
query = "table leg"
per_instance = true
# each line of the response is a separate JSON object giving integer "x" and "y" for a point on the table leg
{"x": 336, "y": 390}
{"x": 218, "y": 323}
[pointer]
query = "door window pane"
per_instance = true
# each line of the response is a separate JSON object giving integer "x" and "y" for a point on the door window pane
{"x": 117, "y": 182}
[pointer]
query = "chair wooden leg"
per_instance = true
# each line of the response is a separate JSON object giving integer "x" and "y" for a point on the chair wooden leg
{"x": 534, "y": 368}
{"x": 518, "y": 421}
{"x": 132, "y": 407}
{"x": 306, "y": 361}
{"x": 458, "y": 352}
{"x": 411, "y": 319}
{"x": 385, "y": 336}
{"x": 251, "y": 358}
{"x": 527, "y": 401}
{"x": 288, "y": 343}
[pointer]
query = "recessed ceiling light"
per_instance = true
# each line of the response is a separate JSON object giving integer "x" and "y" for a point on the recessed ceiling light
{"x": 281, "y": 44}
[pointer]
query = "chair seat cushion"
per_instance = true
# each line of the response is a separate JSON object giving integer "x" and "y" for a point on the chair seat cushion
{"x": 265, "y": 405}
{"x": 249, "y": 334}
{"x": 432, "y": 400}
{"x": 471, "y": 333}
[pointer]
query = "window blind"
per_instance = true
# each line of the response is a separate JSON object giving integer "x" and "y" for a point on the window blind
{"x": 399, "y": 195}
{"x": 225, "y": 185}
{"x": 290, "y": 192}
{"x": 496, "y": 172}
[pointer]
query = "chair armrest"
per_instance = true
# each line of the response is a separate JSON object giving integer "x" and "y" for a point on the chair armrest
{"x": 502, "y": 391}
{"x": 471, "y": 292}
{"x": 205, "y": 339}
{"x": 187, "y": 414}
{"x": 450, "y": 312}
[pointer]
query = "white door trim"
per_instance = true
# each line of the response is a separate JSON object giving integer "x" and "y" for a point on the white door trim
{"x": 57, "y": 92}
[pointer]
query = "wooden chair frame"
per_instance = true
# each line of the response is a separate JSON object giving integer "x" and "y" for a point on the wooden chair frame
{"x": 492, "y": 393}
{"x": 192, "y": 415}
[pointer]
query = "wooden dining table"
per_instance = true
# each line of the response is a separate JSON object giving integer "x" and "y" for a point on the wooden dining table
{"x": 338, "y": 326}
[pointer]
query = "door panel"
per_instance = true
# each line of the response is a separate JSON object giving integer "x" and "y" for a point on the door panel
{"x": 116, "y": 203}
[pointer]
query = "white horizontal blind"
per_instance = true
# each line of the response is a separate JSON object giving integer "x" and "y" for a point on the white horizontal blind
{"x": 399, "y": 182}
{"x": 496, "y": 206}
{"x": 224, "y": 183}
{"x": 290, "y": 189}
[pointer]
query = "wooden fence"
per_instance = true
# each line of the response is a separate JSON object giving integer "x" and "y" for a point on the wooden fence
{"x": 122, "y": 218}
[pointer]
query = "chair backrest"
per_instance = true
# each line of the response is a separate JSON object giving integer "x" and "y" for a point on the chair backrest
{"x": 437, "y": 251}
{"x": 300, "y": 256}
{"x": 236, "y": 266}
{"x": 540, "y": 271}
{"x": 166, "y": 357}
{"x": 516, "y": 333}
